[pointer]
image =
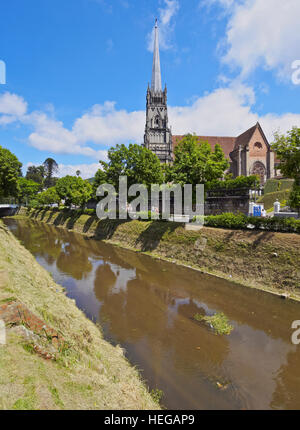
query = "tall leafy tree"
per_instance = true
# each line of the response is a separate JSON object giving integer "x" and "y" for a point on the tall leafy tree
{"x": 287, "y": 148}
{"x": 196, "y": 163}
{"x": 49, "y": 197}
{"x": 36, "y": 174}
{"x": 139, "y": 164}
{"x": 100, "y": 178}
{"x": 10, "y": 171}
{"x": 51, "y": 167}
{"x": 27, "y": 189}
{"x": 294, "y": 200}
{"x": 73, "y": 190}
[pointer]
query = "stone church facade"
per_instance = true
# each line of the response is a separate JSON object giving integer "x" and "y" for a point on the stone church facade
{"x": 249, "y": 153}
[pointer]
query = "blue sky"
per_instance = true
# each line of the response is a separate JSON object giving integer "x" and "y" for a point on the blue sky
{"x": 77, "y": 72}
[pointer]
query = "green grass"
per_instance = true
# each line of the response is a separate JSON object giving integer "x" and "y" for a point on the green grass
{"x": 29, "y": 400}
{"x": 276, "y": 189}
{"x": 219, "y": 322}
{"x": 88, "y": 373}
{"x": 157, "y": 395}
{"x": 7, "y": 300}
{"x": 274, "y": 185}
{"x": 269, "y": 199}
{"x": 55, "y": 397}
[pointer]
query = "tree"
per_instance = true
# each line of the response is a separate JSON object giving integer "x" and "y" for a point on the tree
{"x": 139, "y": 164}
{"x": 287, "y": 149}
{"x": 74, "y": 190}
{"x": 49, "y": 197}
{"x": 196, "y": 163}
{"x": 100, "y": 178}
{"x": 27, "y": 189}
{"x": 294, "y": 200}
{"x": 51, "y": 167}
{"x": 36, "y": 174}
{"x": 10, "y": 171}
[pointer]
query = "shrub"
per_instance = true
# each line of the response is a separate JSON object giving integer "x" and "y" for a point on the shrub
{"x": 89, "y": 211}
{"x": 33, "y": 204}
{"x": 227, "y": 220}
{"x": 240, "y": 221}
{"x": 232, "y": 184}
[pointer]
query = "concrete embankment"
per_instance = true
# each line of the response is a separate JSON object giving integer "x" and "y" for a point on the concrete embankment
{"x": 51, "y": 355}
{"x": 263, "y": 260}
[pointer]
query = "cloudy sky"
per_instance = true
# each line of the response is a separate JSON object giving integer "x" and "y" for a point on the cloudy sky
{"x": 77, "y": 72}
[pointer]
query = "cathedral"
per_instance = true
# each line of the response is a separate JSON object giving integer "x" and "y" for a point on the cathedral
{"x": 249, "y": 153}
{"x": 158, "y": 137}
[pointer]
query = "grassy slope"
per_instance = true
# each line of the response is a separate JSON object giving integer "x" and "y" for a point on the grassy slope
{"x": 276, "y": 189}
{"x": 264, "y": 260}
{"x": 92, "y": 374}
{"x": 269, "y": 199}
{"x": 273, "y": 185}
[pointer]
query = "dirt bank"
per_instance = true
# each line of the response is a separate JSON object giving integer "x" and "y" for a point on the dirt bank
{"x": 54, "y": 357}
{"x": 264, "y": 260}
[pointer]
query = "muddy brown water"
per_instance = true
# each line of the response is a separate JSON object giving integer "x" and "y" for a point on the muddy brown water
{"x": 147, "y": 306}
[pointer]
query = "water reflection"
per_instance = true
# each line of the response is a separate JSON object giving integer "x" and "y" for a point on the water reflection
{"x": 147, "y": 306}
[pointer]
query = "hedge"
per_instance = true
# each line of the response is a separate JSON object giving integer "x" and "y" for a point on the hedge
{"x": 247, "y": 182}
{"x": 269, "y": 199}
{"x": 242, "y": 222}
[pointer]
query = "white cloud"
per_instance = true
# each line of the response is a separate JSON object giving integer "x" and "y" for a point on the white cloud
{"x": 12, "y": 107}
{"x": 226, "y": 111}
{"x": 223, "y": 3}
{"x": 262, "y": 33}
{"x": 86, "y": 170}
{"x": 51, "y": 135}
{"x": 166, "y": 25}
{"x": 105, "y": 125}
{"x": 102, "y": 125}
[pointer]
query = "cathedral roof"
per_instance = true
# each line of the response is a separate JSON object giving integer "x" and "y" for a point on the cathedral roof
{"x": 228, "y": 144}
{"x": 244, "y": 138}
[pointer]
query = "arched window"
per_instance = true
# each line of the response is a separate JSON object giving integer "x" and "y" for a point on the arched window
{"x": 259, "y": 169}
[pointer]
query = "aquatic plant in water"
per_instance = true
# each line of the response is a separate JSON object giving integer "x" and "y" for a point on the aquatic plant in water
{"x": 218, "y": 322}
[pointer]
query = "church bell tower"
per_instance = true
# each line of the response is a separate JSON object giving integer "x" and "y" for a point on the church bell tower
{"x": 158, "y": 137}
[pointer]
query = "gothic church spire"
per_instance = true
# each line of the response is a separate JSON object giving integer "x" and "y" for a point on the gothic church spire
{"x": 156, "y": 74}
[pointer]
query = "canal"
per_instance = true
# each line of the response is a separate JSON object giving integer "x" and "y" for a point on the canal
{"x": 147, "y": 307}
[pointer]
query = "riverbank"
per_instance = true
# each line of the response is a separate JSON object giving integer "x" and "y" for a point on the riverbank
{"x": 55, "y": 357}
{"x": 259, "y": 259}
